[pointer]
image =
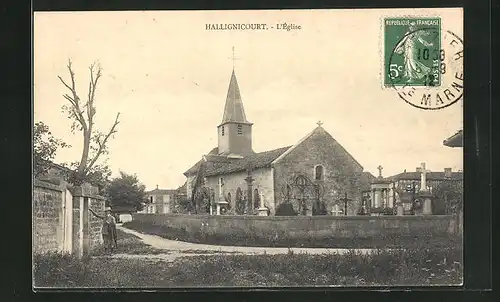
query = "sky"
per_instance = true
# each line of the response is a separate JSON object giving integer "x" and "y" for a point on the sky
{"x": 167, "y": 76}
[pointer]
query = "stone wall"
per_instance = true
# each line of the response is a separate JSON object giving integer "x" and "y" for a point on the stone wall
{"x": 311, "y": 226}
{"x": 48, "y": 229}
{"x": 341, "y": 172}
{"x": 97, "y": 204}
{"x": 263, "y": 182}
{"x": 89, "y": 236}
{"x": 53, "y": 227}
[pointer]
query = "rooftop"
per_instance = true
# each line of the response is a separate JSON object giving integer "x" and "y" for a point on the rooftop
{"x": 219, "y": 166}
{"x": 456, "y": 140}
{"x": 429, "y": 176}
{"x": 158, "y": 191}
{"x": 233, "y": 110}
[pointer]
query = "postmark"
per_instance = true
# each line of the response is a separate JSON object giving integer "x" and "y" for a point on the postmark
{"x": 422, "y": 62}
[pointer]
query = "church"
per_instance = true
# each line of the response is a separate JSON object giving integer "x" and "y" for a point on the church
{"x": 315, "y": 175}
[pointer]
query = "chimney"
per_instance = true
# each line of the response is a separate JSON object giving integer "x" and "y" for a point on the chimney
{"x": 156, "y": 187}
{"x": 447, "y": 172}
{"x": 418, "y": 169}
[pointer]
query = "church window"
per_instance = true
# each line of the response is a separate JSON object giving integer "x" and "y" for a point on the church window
{"x": 222, "y": 130}
{"x": 318, "y": 172}
{"x": 240, "y": 129}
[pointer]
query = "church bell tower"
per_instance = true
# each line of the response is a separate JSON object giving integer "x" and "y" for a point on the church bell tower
{"x": 234, "y": 132}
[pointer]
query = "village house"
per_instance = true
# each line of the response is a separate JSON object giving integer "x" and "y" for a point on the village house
{"x": 315, "y": 171}
{"x": 160, "y": 201}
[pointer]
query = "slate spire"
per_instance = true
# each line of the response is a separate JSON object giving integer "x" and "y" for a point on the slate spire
{"x": 234, "y": 111}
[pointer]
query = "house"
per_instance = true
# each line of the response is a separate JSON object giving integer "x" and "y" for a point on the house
{"x": 160, "y": 201}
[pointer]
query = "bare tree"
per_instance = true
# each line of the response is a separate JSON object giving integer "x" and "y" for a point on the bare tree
{"x": 82, "y": 114}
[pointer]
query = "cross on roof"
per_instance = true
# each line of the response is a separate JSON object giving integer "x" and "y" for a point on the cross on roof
{"x": 234, "y": 58}
{"x": 319, "y": 123}
{"x": 379, "y": 168}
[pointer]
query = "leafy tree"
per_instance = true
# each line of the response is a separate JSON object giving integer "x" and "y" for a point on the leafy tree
{"x": 448, "y": 197}
{"x": 45, "y": 147}
{"x": 183, "y": 204}
{"x": 126, "y": 190}
{"x": 98, "y": 176}
{"x": 82, "y": 113}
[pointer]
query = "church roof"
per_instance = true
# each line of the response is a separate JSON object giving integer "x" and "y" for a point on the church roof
{"x": 224, "y": 165}
{"x": 255, "y": 161}
{"x": 234, "y": 111}
{"x": 219, "y": 166}
{"x": 318, "y": 131}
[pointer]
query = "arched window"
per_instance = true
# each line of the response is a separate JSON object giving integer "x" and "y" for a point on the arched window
{"x": 319, "y": 172}
{"x": 256, "y": 199}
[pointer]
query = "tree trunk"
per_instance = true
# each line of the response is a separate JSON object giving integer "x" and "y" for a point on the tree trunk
{"x": 85, "y": 155}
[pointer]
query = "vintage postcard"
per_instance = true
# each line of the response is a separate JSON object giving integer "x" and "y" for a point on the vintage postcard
{"x": 266, "y": 148}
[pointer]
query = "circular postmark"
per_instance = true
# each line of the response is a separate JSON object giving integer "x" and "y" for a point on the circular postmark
{"x": 426, "y": 68}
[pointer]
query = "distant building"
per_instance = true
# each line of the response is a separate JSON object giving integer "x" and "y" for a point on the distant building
{"x": 403, "y": 188}
{"x": 408, "y": 183}
{"x": 160, "y": 201}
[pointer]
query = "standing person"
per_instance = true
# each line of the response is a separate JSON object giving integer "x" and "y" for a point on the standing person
{"x": 108, "y": 229}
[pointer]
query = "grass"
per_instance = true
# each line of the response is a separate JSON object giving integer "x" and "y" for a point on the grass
{"x": 281, "y": 239}
{"x": 410, "y": 267}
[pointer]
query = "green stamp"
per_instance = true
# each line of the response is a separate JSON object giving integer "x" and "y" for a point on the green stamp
{"x": 412, "y": 52}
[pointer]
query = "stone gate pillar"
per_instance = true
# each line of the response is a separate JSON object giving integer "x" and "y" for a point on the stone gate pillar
{"x": 86, "y": 227}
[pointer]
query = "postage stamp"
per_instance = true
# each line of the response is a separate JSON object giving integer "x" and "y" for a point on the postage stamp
{"x": 413, "y": 52}
{"x": 423, "y": 62}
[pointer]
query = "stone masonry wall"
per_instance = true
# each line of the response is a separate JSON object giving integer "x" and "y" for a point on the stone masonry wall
{"x": 48, "y": 217}
{"x": 310, "y": 226}
{"x": 47, "y": 223}
{"x": 96, "y": 203}
{"x": 263, "y": 182}
{"x": 341, "y": 172}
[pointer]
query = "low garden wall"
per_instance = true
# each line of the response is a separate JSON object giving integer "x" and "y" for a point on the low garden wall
{"x": 305, "y": 228}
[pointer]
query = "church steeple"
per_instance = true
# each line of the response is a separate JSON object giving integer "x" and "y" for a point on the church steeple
{"x": 234, "y": 111}
{"x": 235, "y": 131}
